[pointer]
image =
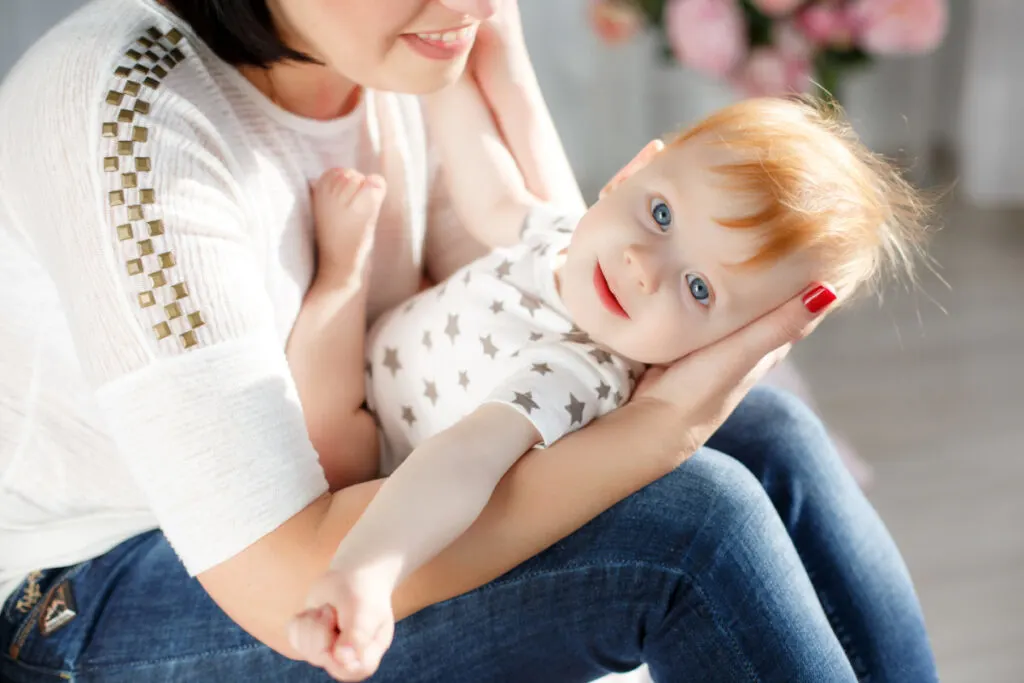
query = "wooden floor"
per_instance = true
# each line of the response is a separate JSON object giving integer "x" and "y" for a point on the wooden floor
{"x": 934, "y": 402}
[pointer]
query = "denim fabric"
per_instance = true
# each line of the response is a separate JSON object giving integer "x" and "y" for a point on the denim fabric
{"x": 766, "y": 564}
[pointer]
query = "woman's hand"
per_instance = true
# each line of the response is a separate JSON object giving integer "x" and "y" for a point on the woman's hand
{"x": 703, "y": 388}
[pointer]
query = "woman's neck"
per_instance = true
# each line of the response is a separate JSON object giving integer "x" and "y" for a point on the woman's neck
{"x": 308, "y": 90}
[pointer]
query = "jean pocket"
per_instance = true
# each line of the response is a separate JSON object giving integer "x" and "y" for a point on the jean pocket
{"x": 24, "y": 608}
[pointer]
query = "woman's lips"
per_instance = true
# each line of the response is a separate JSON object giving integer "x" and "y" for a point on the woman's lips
{"x": 442, "y": 44}
{"x": 606, "y": 295}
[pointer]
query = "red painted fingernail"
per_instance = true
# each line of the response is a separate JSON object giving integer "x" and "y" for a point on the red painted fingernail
{"x": 819, "y": 298}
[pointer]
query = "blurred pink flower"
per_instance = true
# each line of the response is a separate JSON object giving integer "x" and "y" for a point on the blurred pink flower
{"x": 769, "y": 72}
{"x": 707, "y": 35}
{"x": 900, "y": 26}
{"x": 827, "y": 24}
{"x": 791, "y": 41}
{"x": 776, "y": 8}
{"x": 615, "y": 21}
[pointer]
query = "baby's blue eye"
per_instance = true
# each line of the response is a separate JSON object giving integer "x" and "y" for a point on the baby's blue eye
{"x": 699, "y": 289}
{"x": 661, "y": 214}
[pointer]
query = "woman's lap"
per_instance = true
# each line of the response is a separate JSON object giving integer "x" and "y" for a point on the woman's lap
{"x": 696, "y": 575}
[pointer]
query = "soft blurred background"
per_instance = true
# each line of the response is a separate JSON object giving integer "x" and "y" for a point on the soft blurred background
{"x": 925, "y": 391}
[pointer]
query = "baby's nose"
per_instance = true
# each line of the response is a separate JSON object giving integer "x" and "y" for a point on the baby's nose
{"x": 643, "y": 268}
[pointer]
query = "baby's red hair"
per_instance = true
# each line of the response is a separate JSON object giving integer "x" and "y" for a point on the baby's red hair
{"x": 816, "y": 187}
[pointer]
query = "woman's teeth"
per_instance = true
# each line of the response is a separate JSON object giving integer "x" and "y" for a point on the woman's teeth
{"x": 448, "y": 36}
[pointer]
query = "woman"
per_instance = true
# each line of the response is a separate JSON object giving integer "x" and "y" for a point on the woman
{"x": 156, "y": 247}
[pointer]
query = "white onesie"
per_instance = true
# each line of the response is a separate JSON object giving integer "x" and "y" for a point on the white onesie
{"x": 495, "y": 331}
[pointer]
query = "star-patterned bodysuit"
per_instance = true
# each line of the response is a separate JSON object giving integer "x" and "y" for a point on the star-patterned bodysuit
{"x": 495, "y": 331}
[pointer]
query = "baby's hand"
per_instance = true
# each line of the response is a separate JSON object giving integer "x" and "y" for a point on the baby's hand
{"x": 345, "y": 207}
{"x": 348, "y": 626}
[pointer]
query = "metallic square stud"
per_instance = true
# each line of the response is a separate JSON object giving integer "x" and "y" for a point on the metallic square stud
{"x": 115, "y": 198}
{"x": 151, "y": 56}
{"x": 146, "y": 299}
{"x": 145, "y": 42}
{"x": 178, "y": 55}
{"x": 166, "y": 260}
{"x": 135, "y": 212}
{"x": 142, "y": 164}
{"x": 122, "y": 72}
{"x": 129, "y": 180}
{"x": 153, "y": 32}
{"x": 147, "y": 196}
{"x": 145, "y": 247}
{"x": 169, "y": 61}
{"x": 163, "y": 330}
{"x": 125, "y": 148}
{"x": 134, "y": 266}
{"x": 110, "y": 164}
{"x": 156, "y": 228}
{"x": 110, "y": 130}
{"x": 114, "y": 97}
{"x": 195, "y": 319}
{"x": 140, "y": 134}
{"x": 141, "y": 68}
{"x": 133, "y": 55}
{"x": 151, "y": 83}
{"x": 173, "y": 310}
{"x": 125, "y": 232}
{"x": 189, "y": 339}
{"x": 142, "y": 106}
{"x": 158, "y": 278}
{"x": 180, "y": 290}
{"x": 125, "y": 116}
{"x": 159, "y": 71}
{"x": 174, "y": 35}
{"x": 132, "y": 88}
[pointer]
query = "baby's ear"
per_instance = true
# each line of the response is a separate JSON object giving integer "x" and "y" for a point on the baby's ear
{"x": 642, "y": 158}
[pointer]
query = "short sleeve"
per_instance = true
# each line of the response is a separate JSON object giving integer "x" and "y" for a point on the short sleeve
{"x": 129, "y": 198}
{"x": 545, "y": 219}
{"x": 563, "y": 387}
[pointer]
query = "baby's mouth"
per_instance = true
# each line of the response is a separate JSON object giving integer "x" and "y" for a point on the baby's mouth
{"x": 606, "y": 295}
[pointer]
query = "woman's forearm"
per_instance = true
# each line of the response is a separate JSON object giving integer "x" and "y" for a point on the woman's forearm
{"x": 514, "y": 96}
{"x": 545, "y": 497}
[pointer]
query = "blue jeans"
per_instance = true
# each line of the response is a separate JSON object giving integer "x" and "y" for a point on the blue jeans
{"x": 766, "y": 564}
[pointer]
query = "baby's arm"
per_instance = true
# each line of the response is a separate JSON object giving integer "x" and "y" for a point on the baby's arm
{"x": 429, "y": 501}
{"x": 485, "y": 184}
{"x": 325, "y": 349}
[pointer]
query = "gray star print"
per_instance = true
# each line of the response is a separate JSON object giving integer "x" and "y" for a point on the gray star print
{"x": 408, "y": 306}
{"x": 391, "y": 361}
{"x": 603, "y": 390}
{"x": 632, "y": 377}
{"x": 426, "y": 340}
{"x": 530, "y": 303}
{"x": 408, "y": 415}
{"x": 601, "y": 356}
{"x": 497, "y": 307}
{"x": 505, "y": 269}
{"x": 526, "y": 401}
{"x": 468, "y": 274}
{"x": 575, "y": 409}
{"x": 576, "y": 335}
{"x": 618, "y": 398}
{"x": 561, "y": 225}
{"x": 536, "y": 336}
{"x": 430, "y": 391}
{"x": 489, "y": 348}
{"x": 541, "y": 368}
{"x": 452, "y": 329}
{"x": 463, "y": 379}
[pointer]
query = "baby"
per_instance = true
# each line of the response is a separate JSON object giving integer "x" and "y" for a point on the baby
{"x": 689, "y": 242}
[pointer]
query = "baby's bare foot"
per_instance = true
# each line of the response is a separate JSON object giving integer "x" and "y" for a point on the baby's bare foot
{"x": 345, "y": 207}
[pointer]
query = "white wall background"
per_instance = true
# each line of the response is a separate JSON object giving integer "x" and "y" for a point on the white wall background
{"x": 608, "y": 102}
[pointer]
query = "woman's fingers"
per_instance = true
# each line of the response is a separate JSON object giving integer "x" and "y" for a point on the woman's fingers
{"x": 707, "y": 378}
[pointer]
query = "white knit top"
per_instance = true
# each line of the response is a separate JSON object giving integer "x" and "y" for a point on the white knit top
{"x": 155, "y": 246}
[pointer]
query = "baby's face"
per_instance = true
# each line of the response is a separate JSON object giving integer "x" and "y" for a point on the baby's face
{"x": 652, "y": 276}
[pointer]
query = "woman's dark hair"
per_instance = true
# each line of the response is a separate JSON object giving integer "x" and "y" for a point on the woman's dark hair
{"x": 241, "y": 32}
